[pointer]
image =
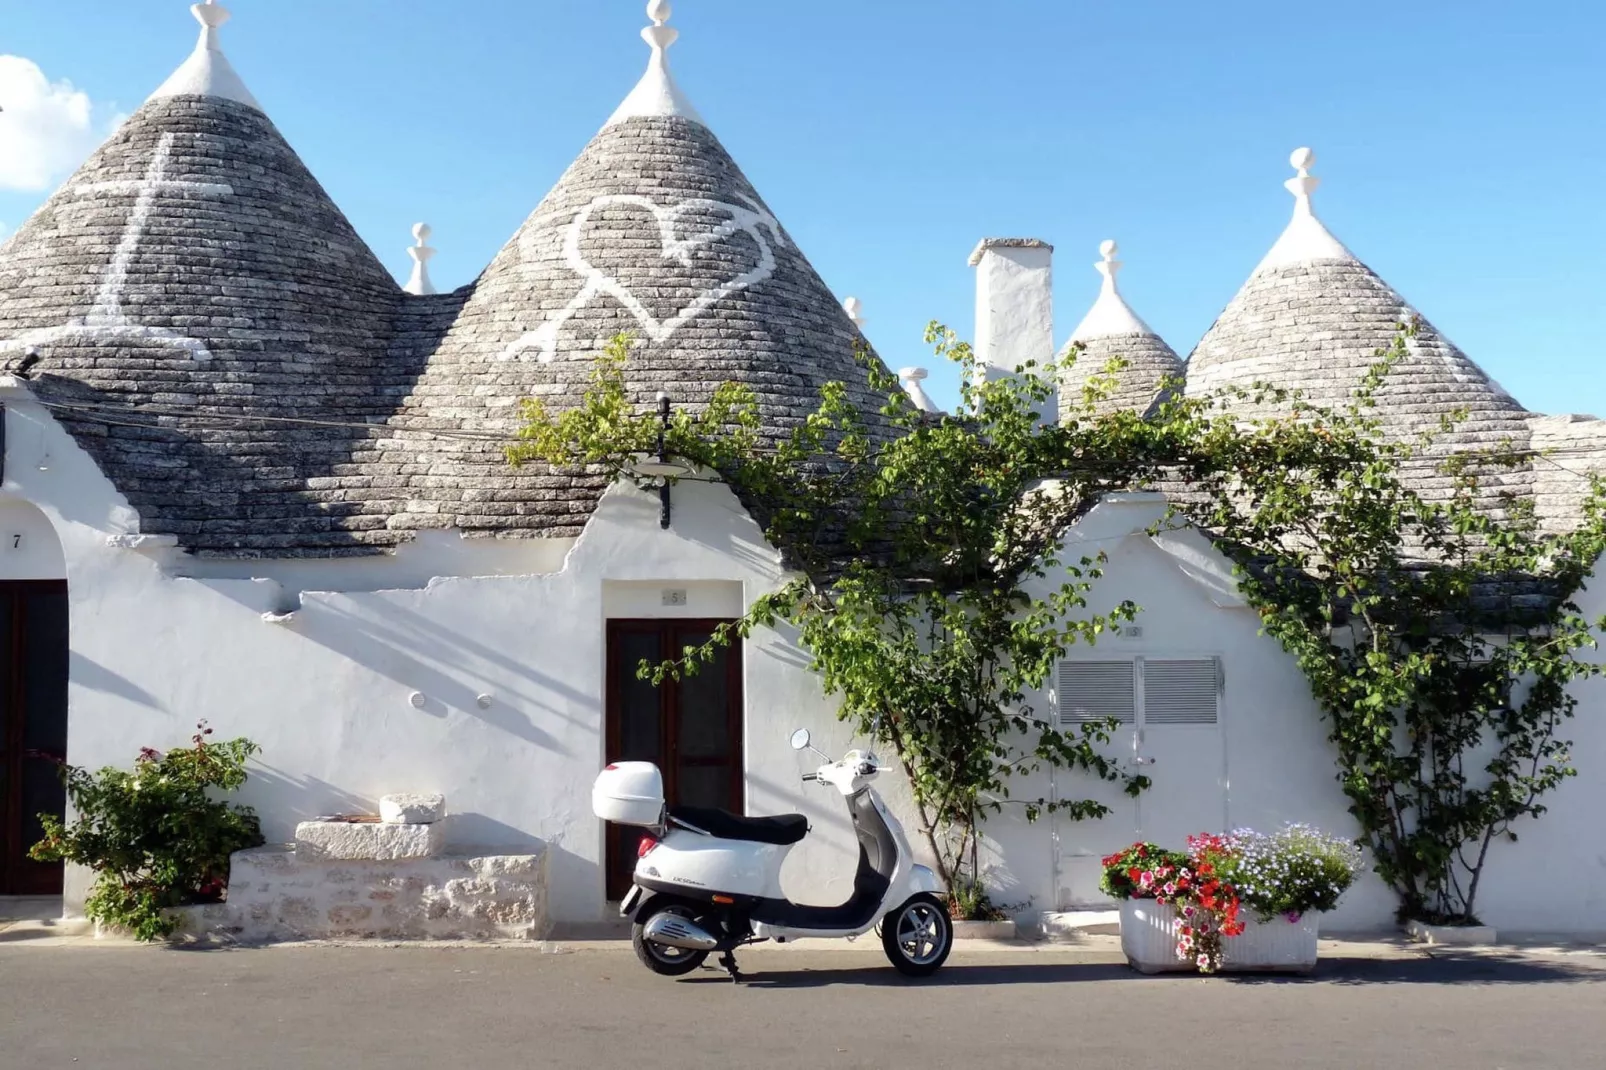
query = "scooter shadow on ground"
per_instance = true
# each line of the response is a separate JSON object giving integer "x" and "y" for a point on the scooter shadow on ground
{"x": 1480, "y": 969}
{"x": 879, "y": 976}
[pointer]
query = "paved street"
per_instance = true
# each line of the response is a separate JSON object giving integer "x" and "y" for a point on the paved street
{"x": 129, "y": 1008}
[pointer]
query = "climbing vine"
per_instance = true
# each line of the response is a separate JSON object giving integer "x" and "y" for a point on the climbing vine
{"x": 1440, "y": 636}
{"x": 928, "y": 580}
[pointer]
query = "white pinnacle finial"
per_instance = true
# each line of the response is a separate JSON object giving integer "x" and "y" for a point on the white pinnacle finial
{"x": 1306, "y": 239}
{"x": 420, "y": 284}
{"x": 657, "y": 95}
{"x": 207, "y": 73}
{"x": 855, "y": 310}
{"x": 1110, "y": 314}
{"x": 211, "y": 16}
{"x": 912, "y": 378}
{"x": 1303, "y": 184}
{"x": 1109, "y": 267}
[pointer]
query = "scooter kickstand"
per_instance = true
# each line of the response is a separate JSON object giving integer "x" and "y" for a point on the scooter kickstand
{"x": 728, "y": 960}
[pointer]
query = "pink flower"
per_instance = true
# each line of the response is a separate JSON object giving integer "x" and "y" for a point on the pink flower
{"x": 1146, "y": 879}
{"x": 1170, "y": 887}
{"x": 1204, "y": 962}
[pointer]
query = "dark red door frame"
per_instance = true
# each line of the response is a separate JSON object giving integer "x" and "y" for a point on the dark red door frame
{"x": 19, "y": 875}
{"x": 672, "y": 632}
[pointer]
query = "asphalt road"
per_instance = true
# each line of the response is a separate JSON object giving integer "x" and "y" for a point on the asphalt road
{"x": 286, "y": 1008}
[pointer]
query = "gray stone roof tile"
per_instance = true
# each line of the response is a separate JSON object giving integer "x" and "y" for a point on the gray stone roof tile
{"x": 194, "y": 278}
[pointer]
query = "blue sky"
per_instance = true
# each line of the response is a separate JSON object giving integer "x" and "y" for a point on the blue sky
{"x": 1460, "y": 142}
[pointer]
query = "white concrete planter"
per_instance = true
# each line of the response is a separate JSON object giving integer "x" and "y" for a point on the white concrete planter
{"x": 984, "y": 930}
{"x": 1149, "y": 937}
{"x": 1278, "y": 945}
{"x": 1149, "y": 941}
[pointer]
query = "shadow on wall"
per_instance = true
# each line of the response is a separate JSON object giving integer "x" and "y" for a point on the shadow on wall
{"x": 479, "y": 834}
{"x": 409, "y": 648}
{"x": 281, "y": 797}
{"x": 90, "y": 674}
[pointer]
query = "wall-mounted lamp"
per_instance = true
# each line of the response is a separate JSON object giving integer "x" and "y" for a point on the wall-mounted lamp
{"x": 661, "y": 467}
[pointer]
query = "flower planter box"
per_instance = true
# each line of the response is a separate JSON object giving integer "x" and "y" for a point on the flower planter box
{"x": 1149, "y": 941}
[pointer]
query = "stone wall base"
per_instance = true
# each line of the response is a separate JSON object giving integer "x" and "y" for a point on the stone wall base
{"x": 274, "y": 895}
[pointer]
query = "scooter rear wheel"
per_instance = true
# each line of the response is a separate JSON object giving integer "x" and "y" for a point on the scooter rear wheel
{"x": 918, "y": 936}
{"x": 662, "y": 960}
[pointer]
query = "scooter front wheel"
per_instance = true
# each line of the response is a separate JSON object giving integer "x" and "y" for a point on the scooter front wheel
{"x": 918, "y": 936}
{"x": 659, "y": 958}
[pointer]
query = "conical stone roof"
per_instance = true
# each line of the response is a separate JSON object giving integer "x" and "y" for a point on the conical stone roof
{"x": 653, "y": 231}
{"x": 1314, "y": 317}
{"x": 1110, "y": 330}
{"x": 194, "y": 274}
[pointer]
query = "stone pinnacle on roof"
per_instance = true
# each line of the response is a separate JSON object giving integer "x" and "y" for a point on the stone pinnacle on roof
{"x": 420, "y": 284}
{"x": 855, "y": 310}
{"x": 1111, "y": 330}
{"x": 911, "y": 378}
{"x": 208, "y": 73}
{"x": 1306, "y": 238}
{"x": 1110, "y": 314}
{"x": 657, "y": 95}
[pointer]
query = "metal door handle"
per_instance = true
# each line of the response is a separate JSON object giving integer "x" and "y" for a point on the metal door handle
{"x": 1147, "y": 761}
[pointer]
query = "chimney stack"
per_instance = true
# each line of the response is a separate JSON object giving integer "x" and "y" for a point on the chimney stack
{"x": 1014, "y": 305}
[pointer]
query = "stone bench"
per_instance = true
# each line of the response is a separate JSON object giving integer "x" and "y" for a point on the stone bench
{"x": 394, "y": 879}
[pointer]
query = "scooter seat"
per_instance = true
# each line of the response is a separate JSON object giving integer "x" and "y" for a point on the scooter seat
{"x": 782, "y": 830}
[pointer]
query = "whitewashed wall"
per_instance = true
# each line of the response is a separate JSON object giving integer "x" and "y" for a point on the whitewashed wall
{"x": 326, "y": 692}
{"x": 1278, "y": 766}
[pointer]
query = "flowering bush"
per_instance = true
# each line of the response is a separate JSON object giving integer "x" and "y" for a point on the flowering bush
{"x": 1140, "y": 871}
{"x": 155, "y": 836}
{"x": 1210, "y": 906}
{"x": 1291, "y": 872}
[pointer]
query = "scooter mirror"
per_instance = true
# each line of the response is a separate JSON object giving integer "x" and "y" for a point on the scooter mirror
{"x": 800, "y": 739}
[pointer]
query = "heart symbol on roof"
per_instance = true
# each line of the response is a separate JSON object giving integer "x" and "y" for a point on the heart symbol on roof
{"x": 743, "y": 218}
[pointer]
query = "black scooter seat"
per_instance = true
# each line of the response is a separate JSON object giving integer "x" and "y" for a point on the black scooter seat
{"x": 781, "y": 830}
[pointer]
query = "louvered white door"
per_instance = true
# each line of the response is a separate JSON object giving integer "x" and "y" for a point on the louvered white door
{"x": 1180, "y": 748}
{"x": 1169, "y": 709}
{"x": 1092, "y": 691}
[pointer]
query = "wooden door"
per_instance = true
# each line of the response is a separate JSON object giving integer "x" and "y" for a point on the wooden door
{"x": 33, "y": 727}
{"x": 690, "y": 728}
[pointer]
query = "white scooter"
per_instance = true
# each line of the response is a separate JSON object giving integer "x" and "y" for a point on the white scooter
{"x": 708, "y": 880}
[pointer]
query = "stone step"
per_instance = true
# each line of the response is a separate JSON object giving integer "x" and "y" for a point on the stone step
{"x": 325, "y": 841}
{"x": 1074, "y": 925}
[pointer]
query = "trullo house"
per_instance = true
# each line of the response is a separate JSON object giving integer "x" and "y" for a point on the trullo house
{"x": 248, "y": 477}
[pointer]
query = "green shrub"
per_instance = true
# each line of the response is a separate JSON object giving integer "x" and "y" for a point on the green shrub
{"x": 154, "y": 836}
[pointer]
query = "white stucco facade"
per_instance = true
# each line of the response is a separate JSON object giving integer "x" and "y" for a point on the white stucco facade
{"x": 476, "y": 671}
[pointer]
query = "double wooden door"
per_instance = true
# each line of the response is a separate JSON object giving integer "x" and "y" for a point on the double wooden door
{"x": 690, "y": 728}
{"x": 33, "y": 727}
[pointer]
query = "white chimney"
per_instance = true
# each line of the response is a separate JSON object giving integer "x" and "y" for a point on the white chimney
{"x": 1014, "y": 306}
{"x": 1014, "y": 302}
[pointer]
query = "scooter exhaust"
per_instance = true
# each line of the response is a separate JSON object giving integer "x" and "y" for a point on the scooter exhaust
{"x": 672, "y": 931}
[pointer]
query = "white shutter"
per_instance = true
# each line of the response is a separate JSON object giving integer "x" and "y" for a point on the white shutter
{"x": 1096, "y": 690}
{"x": 1181, "y": 692}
